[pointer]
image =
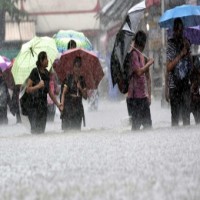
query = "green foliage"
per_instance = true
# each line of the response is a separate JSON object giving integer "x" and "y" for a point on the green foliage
{"x": 10, "y": 6}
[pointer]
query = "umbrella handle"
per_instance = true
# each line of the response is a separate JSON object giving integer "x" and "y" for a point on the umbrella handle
{"x": 31, "y": 49}
{"x": 39, "y": 74}
{"x": 39, "y": 77}
{"x": 141, "y": 53}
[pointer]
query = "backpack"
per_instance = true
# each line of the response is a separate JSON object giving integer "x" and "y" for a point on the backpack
{"x": 124, "y": 78}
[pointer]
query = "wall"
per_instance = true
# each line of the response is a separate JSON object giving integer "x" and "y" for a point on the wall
{"x": 52, "y": 15}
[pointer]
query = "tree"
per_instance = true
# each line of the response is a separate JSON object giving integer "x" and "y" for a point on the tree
{"x": 10, "y": 7}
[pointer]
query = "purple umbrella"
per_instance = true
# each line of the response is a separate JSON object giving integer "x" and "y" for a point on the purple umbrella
{"x": 5, "y": 63}
{"x": 191, "y": 33}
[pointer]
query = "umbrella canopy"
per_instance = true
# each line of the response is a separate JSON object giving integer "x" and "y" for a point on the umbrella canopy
{"x": 63, "y": 37}
{"x": 191, "y": 33}
{"x": 189, "y": 14}
{"x": 5, "y": 63}
{"x": 91, "y": 68}
{"x": 27, "y": 57}
{"x": 124, "y": 38}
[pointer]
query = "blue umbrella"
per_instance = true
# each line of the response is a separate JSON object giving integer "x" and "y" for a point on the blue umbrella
{"x": 189, "y": 14}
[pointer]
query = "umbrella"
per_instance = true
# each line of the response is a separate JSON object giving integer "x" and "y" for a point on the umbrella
{"x": 63, "y": 37}
{"x": 27, "y": 57}
{"x": 124, "y": 38}
{"x": 5, "y": 63}
{"x": 191, "y": 33}
{"x": 91, "y": 68}
{"x": 190, "y": 15}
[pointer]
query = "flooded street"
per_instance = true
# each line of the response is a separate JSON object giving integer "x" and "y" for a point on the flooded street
{"x": 63, "y": 52}
{"x": 104, "y": 161}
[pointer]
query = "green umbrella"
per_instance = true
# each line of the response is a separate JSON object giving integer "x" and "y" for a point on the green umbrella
{"x": 63, "y": 37}
{"x": 27, "y": 57}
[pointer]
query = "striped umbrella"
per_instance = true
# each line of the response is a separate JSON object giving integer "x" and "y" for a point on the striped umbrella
{"x": 63, "y": 37}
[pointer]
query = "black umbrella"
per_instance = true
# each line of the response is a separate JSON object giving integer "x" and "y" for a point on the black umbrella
{"x": 121, "y": 46}
{"x": 123, "y": 41}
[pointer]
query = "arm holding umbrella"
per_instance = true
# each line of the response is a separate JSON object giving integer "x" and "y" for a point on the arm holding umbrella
{"x": 82, "y": 90}
{"x": 133, "y": 48}
{"x": 172, "y": 64}
{"x": 140, "y": 71}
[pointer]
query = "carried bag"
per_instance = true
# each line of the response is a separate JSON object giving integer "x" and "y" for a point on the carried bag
{"x": 26, "y": 103}
{"x": 27, "y": 100}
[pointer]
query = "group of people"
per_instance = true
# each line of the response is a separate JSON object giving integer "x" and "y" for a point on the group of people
{"x": 70, "y": 106}
{"x": 9, "y": 97}
{"x": 182, "y": 81}
{"x": 182, "y": 77}
{"x": 39, "y": 92}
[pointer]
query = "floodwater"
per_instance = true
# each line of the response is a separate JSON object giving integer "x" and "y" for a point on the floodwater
{"x": 106, "y": 160}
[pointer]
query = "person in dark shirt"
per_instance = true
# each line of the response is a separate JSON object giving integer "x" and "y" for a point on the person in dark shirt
{"x": 4, "y": 100}
{"x": 38, "y": 87}
{"x": 195, "y": 89}
{"x": 179, "y": 64}
{"x": 71, "y": 101}
{"x": 71, "y": 45}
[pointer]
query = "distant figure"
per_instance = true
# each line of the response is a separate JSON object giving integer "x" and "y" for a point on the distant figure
{"x": 71, "y": 44}
{"x": 4, "y": 100}
{"x": 93, "y": 100}
{"x": 139, "y": 90}
{"x": 51, "y": 107}
{"x": 71, "y": 102}
{"x": 38, "y": 87}
{"x": 179, "y": 64}
{"x": 195, "y": 90}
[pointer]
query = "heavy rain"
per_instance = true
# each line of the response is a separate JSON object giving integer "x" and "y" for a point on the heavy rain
{"x": 84, "y": 134}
